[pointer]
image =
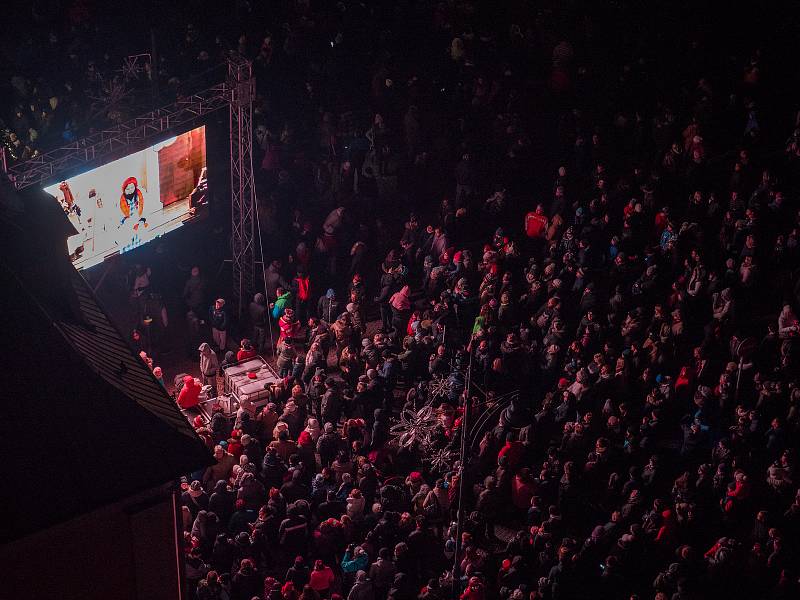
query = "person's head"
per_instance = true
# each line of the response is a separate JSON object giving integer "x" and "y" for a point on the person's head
{"x": 195, "y": 271}
{"x": 219, "y": 303}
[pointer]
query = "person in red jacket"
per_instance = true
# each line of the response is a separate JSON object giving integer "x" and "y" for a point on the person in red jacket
{"x": 289, "y": 326}
{"x": 322, "y": 579}
{"x": 536, "y": 223}
{"x": 301, "y": 286}
{"x": 245, "y": 351}
{"x": 523, "y": 489}
{"x": 513, "y": 451}
{"x": 475, "y": 590}
{"x": 738, "y": 492}
{"x": 190, "y": 393}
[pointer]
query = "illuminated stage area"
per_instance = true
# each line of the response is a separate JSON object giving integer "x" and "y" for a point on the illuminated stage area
{"x": 128, "y": 202}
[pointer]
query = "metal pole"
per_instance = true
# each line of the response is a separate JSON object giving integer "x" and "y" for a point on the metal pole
{"x": 462, "y": 463}
{"x": 264, "y": 275}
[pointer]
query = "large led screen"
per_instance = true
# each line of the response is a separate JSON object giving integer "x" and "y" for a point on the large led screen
{"x": 128, "y": 202}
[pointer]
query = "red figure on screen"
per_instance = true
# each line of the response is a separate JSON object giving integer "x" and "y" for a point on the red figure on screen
{"x": 132, "y": 202}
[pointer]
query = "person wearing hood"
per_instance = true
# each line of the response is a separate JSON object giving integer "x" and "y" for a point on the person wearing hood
{"x": 189, "y": 396}
{"x": 258, "y": 313}
{"x": 328, "y": 306}
{"x": 282, "y": 302}
{"x": 209, "y": 365}
{"x": 401, "y": 307}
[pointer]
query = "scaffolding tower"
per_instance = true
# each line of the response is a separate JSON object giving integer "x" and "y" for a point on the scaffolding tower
{"x": 243, "y": 189}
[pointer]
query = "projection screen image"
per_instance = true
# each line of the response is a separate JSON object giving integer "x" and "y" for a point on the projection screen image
{"x": 126, "y": 203}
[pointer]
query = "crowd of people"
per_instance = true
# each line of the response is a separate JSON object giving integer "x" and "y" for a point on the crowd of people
{"x": 572, "y": 220}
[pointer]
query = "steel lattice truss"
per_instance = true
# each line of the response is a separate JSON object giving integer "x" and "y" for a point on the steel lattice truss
{"x": 116, "y": 141}
{"x": 243, "y": 189}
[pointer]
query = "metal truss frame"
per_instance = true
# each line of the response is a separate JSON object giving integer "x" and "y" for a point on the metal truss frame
{"x": 116, "y": 141}
{"x": 243, "y": 189}
{"x": 236, "y": 94}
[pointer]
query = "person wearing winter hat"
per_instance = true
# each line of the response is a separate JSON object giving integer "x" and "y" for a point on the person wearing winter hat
{"x": 195, "y": 498}
{"x": 322, "y": 579}
{"x": 328, "y": 445}
{"x": 328, "y": 306}
{"x": 246, "y": 583}
{"x": 218, "y": 319}
{"x": 289, "y": 327}
{"x": 313, "y": 429}
{"x": 258, "y": 313}
{"x": 158, "y": 373}
{"x": 298, "y": 573}
{"x": 222, "y": 468}
{"x": 400, "y": 303}
{"x": 362, "y": 588}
